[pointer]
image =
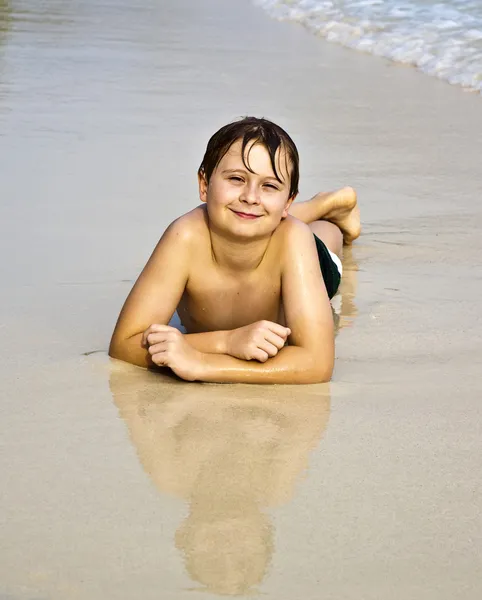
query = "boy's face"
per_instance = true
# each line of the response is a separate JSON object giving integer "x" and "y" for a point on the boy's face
{"x": 247, "y": 204}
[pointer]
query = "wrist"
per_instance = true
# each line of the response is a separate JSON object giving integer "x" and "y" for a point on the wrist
{"x": 225, "y": 342}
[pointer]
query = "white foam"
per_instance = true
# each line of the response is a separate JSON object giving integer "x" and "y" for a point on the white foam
{"x": 441, "y": 38}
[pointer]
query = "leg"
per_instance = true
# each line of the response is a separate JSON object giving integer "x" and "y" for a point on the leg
{"x": 329, "y": 234}
{"x": 339, "y": 208}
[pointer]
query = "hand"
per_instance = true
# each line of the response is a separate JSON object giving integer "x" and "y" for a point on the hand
{"x": 258, "y": 341}
{"x": 168, "y": 348}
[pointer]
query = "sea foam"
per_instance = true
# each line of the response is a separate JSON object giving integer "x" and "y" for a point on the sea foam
{"x": 443, "y": 38}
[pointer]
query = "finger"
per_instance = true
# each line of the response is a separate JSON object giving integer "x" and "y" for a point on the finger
{"x": 270, "y": 349}
{"x": 275, "y": 339}
{"x": 159, "y": 347}
{"x": 144, "y": 342}
{"x": 151, "y": 329}
{"x": 149, "y": 334}
{"x": 160, "y": 359}
{"x": 157, "y": 337}
{"x": 278, "y": 329}
{"x": 260, "y": 355}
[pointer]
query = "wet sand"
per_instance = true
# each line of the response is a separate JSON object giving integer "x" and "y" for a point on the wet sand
{"x": 118, "y": 483}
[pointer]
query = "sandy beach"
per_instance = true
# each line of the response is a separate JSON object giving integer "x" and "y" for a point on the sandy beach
{"x": 118, "y": 483}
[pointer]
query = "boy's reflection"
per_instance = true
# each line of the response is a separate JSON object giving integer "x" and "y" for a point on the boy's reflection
{"x": 230, "y": 451}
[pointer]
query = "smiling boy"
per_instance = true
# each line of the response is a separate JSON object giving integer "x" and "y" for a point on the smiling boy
{"x": 249, "y": 273}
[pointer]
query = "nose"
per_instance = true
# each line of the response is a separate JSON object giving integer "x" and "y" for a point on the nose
{"x": 249, "y": 194}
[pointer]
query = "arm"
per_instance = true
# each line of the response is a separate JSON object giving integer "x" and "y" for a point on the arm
{"x": 257, "y": 341}
{"x": 155, "y": 295}
{"x": 291, "y": 365}
{"x": 310, "y": 356}
{"x": 210, "y": 342}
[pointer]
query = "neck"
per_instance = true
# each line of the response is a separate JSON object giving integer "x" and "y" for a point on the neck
{"x": 238, "y": 255}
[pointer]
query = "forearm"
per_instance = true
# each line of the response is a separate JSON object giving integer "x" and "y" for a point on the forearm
{"x": 210, "y": 342}
{"x": 292, "y": 364}
{"x": 131, "y": 350}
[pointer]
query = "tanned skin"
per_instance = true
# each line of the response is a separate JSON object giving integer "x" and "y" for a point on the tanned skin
{"x": 243, "y": 273}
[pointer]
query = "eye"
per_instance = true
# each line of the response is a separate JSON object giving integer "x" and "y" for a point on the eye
{"x": 235, "y": 178}
{"x": 271, "y": 186}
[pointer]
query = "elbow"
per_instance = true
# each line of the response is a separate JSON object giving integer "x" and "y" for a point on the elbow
{"x": 121, "y": 349}
{"x": 319, "y": 372}
{"x": 325, "y": 377}
{"x": 325, "y": 371}
{"x": 318, "y": 376}
{"x": 309, "y": 365}
{"x": 114, "y": 351}
{"x": 117, "y": 349}
{"x": 114, "y": 347}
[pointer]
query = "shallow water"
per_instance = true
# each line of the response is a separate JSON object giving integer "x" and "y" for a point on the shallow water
{"x": 118, "y": 483}
{"x": 441, "y": 38}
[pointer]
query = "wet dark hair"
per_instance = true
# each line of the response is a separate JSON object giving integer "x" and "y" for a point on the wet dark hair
{"x": 260, "y": 131}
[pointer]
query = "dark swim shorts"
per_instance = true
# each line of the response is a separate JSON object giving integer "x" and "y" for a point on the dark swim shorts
{"x": 329, "y": 269}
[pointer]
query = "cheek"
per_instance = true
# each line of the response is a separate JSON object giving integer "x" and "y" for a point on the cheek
{"x": 276, "y": 206}
{"x": 220, "y": 194}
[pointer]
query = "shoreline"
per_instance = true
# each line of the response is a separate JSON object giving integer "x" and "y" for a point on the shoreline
{"x": 394, "y": 41}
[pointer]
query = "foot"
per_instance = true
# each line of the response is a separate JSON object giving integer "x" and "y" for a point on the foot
{"x": 341, "y": 208}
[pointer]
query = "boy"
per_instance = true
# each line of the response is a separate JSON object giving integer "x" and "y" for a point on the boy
{"x": 247, "y": 270}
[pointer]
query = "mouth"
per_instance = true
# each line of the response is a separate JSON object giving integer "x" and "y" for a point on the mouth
{"x": 244, "y": 215}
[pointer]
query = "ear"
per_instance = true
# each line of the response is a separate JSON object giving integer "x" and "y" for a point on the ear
{"x": 287, "y": 207}
{"x": 203, "y": 187}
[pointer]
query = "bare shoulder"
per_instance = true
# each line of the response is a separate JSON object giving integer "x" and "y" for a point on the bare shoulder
{"x": 294, "y": 238}
{"x": 292, "y": 227}
{"x": 188, "y": 228}
{"x": 178, "y": 246}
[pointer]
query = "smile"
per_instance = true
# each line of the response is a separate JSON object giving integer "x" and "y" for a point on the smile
{"x": 243, "y": 215}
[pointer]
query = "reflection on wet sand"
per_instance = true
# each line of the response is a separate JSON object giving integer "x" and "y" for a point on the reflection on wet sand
{"x": 344, "y": 307}
{"x": 230, "y": 452}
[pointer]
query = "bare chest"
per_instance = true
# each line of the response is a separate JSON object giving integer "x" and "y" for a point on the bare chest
{"x": 214, "y": 300}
